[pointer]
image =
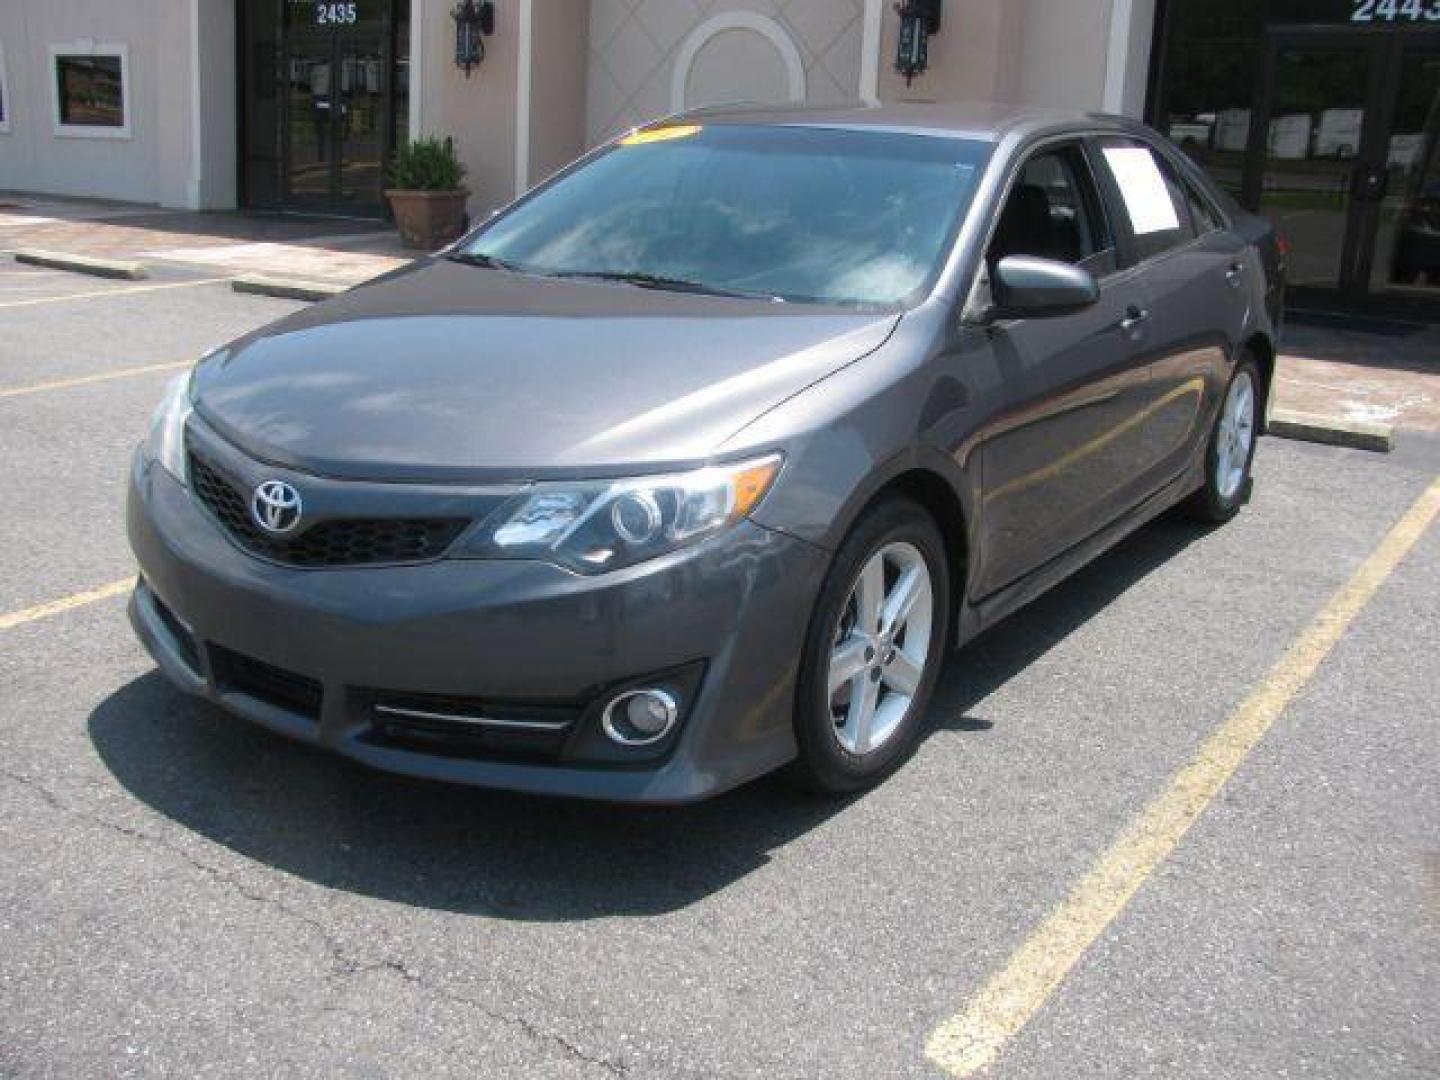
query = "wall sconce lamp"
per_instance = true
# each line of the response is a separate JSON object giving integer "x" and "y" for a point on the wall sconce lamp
{"x": 918, "y": 20}
{"x": 474, "y": 21}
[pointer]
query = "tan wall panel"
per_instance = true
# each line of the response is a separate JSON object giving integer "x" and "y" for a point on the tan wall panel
{"x": 561, "y": 36}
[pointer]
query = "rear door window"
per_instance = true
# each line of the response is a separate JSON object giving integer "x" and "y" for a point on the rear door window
{"x": 1152, "y": 201}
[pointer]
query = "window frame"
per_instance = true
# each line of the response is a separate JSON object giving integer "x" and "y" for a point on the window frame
{"x": 85, "y": 50}
{"x": 974, "y": 285}
{"x": 1194, "y": 196}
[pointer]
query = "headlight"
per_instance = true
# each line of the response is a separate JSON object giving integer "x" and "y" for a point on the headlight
{"x": 596, "y": 526}
{"x": 166, "y": 442}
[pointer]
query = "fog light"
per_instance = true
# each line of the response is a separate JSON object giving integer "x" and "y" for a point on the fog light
{"x": 640, "y": 717}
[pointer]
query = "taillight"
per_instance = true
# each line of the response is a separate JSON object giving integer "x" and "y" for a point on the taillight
{"x": 1282, "y": 244}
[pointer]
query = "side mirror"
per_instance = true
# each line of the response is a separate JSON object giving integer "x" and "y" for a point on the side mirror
{"x": 1024, "y": 286}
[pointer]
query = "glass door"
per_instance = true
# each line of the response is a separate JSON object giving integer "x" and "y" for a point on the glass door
{"x": 324, "y": 98}
{"x": 311, "y": 115}
{"x": 361, "y": 128}
{"x": 1406, "y": 263}
{"x": 1343, "y": 158}
{"x": 1309, "y": 150}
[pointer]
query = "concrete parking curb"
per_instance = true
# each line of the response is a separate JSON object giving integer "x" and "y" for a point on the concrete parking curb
{"x": 1332, "y": 431}
{"x": 287, "y": 288}
{"x": 82, "y": 264}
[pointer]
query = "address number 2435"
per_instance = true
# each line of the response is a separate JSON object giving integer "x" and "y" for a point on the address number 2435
{"x": 343, "y": 14}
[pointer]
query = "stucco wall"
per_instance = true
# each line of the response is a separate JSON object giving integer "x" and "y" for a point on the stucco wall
{"x": 1056, "y": 53}
{"x": 596, "y": 68}
{"x": 1063, "y": 51}
{"x": 32, "y": 157}
{"x": 649, "y": 58}
{"x": 155, "y": 162}
{"x": 216, "y": 186}
{"x": 561, "y": 37}
{"x": 974, "y": 57}
{"x": 478, "y": 112}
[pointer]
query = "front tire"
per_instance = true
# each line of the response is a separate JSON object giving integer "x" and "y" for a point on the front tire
{"x": 1231, "y": 449}
{"x": 873, "y": 650}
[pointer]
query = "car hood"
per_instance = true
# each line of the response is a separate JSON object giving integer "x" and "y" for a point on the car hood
{"x": 446, "y": 371}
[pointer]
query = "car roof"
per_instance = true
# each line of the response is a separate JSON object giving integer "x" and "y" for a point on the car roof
{"x": 986, "y": 121}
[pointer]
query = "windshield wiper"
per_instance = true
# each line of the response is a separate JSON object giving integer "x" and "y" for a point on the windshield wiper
{"x": 475, "y": 258}
{"x": 659, "y": 281}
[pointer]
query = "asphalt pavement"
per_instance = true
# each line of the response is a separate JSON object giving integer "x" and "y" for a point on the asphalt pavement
{"x": 182, "y": 894}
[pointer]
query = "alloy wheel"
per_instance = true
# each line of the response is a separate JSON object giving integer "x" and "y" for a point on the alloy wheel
{"x": 1235, "y": 436}
{"x": 880, "y": 648}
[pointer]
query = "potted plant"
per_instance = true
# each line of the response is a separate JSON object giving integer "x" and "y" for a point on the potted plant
{"x": 426, "y": 194}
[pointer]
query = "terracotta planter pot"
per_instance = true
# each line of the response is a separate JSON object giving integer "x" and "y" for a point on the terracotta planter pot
{"x": 428, "y": 219}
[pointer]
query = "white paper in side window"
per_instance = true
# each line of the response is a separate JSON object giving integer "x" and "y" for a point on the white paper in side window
{"x": 1143, "y": 188}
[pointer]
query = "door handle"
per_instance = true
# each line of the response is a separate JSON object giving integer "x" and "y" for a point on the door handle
{"x": 1235, "y": 274}
{"x": 1134, "y": 316}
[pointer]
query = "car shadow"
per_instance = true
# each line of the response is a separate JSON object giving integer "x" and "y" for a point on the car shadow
{"x": 509, "y": 856}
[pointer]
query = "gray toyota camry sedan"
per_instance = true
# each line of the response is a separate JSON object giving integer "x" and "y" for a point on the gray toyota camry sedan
{"x": 693, "y": 462}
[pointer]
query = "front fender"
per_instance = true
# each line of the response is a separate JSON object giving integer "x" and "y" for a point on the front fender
{"x": 902, "y": 409}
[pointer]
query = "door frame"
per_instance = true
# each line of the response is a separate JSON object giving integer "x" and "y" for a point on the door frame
{"x": 1384, "y": 48}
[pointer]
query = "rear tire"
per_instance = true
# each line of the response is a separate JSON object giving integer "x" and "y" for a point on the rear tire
{"x": 873, "y": 650}
{"x": 1231, "y": 449}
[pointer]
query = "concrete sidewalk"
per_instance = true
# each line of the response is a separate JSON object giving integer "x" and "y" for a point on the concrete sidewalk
{"x": 1369, "y": 371}
{"x": 1366, "y": 370}
{"x": 336, "y": 250}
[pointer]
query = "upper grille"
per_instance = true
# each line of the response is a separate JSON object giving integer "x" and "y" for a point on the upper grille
{"x": 337, "y": 542}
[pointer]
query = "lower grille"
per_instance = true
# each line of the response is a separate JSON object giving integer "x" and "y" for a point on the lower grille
{"x": 466, "y": 727}
{"x": 270, "y": 684}
{"x": 337, "y": 542}
{"x": 184, "y": 639}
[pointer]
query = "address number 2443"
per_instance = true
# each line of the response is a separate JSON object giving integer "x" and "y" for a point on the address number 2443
{"x": 1395, "y": 11}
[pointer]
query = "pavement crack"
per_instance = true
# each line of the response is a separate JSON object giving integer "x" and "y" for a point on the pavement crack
{"x": 529, "y": 1028}
{"x": 332, "y": 945}
{"x": 342, "y": 964}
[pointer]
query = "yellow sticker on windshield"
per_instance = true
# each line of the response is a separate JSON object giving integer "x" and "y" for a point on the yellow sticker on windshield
{"x": 660, "y": 134}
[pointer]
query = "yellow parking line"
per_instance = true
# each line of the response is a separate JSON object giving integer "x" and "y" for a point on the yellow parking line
{"x": 67, "y": 603}
{"x": 83, "y": 380}
{"x": 129, "y": 290}
{"x": 970, "y": 1041}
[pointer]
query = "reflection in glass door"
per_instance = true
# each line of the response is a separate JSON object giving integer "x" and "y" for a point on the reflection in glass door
{"x": 1306, "y": 150}
{"x": 1407, "y": 244}
{"x": 361, "y": 130}
{"x": 1343, "y": 158}
{"x": 310, "y": 113}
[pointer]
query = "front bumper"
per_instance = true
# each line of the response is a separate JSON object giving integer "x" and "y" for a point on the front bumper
{"x": 311, "y": 652}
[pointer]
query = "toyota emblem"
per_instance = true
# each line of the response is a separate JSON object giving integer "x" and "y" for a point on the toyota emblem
{"x": 276, "y": 507}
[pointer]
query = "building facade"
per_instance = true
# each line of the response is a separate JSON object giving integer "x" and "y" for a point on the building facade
{"x": 1322, "y": 113}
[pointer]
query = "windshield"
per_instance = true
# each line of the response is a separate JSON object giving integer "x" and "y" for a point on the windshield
{"x": 802, "y": 214}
